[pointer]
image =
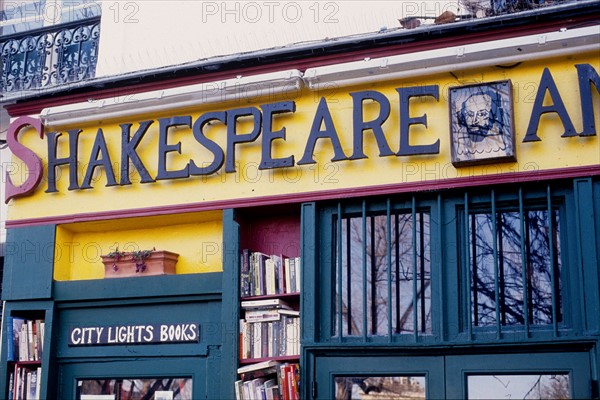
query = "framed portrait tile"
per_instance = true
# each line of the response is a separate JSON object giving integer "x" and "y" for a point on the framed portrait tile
{"x": 482, "y": 123}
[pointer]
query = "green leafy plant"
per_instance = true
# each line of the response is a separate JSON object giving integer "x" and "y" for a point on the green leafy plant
{"x": 140, "y": 259}
{"x": 139, "y": 256}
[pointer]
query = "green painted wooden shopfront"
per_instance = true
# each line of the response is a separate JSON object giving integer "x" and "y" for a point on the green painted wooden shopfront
{"x": 423, "y": 287}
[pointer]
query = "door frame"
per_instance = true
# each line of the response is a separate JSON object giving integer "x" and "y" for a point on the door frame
{"x": 151, "y": 367}
{"x": 452, "y": 369}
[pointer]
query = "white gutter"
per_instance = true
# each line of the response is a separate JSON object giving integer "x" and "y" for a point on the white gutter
{"x": 240, "y": 89}
{"x": 455, "y": 58}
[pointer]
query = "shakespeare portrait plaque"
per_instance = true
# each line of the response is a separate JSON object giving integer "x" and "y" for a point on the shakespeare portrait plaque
{"x": 481, "y": 123}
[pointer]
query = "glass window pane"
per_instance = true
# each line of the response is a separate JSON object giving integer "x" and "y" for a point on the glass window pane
{"x": 135, "y": 389}
{"x": 518, "y": 387}
{"x": 502, "y": 267}
{"x": 378, "y": 387}
{"x": 366, "y": 283}
{"x": 21, "y": 16}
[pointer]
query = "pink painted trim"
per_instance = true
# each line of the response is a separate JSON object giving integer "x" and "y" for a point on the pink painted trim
{"x": 517, "y": 177}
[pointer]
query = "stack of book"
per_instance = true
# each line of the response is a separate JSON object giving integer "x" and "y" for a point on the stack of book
{"x": 25, "y": 339}
{"x": 24, "y": 383}
{"x": 263, "y": 275}
{"x": 270, "y": 380}
{"x": 270, "y": 328}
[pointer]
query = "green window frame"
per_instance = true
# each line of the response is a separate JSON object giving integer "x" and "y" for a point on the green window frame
{"x": 550, "y": 239}
{"x": 387, "y": 248}
{"x": 512, "y": 250}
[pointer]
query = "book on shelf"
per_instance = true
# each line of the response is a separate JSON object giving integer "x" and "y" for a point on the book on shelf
{"x": 262, "y": 274}
{"x": 282, "y": 384}
{"x": 270, "y": 339}
{"x": 25, "y": 339}
{"x": 258, "y": 366}
{"x": 265, "y": 303}
{"x": 25, "y": 382}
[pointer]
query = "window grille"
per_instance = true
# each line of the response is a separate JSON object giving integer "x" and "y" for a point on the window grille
{"x": 514, "y": 263}
{"x": 382, "y": 272}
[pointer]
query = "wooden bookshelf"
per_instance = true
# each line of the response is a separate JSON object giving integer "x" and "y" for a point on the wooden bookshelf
{"x": 25, "y": 351}
{"x": 269, "y": 306}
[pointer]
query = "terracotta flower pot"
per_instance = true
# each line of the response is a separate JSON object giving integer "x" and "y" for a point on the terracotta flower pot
{"x": 160, "y": 262}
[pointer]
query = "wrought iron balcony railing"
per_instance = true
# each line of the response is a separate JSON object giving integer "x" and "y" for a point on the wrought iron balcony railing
{"x": 50, "y": 56}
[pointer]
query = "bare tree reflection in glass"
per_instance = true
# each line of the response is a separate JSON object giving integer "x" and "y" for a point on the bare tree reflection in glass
{"x": 531, "y": 386}
{"x": 366, "y": 284}
{"x": 541, "y": 261}
{"x": 377, "y": 387}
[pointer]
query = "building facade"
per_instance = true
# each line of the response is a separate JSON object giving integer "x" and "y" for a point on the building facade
{"x": 435, "y": 189}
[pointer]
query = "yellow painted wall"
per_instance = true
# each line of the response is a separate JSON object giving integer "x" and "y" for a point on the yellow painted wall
{"x": 196, "y": 237}
{"x": 551, "y": 153}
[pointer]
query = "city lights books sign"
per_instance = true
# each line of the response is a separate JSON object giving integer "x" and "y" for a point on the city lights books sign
{"x": 481, "y": 125}
{"x": 134, "y": 334}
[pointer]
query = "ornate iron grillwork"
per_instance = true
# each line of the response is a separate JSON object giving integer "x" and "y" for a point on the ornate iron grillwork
{"x": 49, "y": 57}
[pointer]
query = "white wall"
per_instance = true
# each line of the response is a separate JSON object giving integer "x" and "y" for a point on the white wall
{"x": 150, "y": 34}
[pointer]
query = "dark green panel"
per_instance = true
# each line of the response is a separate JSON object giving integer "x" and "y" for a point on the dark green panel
{"x": 207, "y": 285}
{"x": 328, "y": 368}
{"x": 584, "y": 196}
{"x": 204, "y": 314}
{"x": 576, "y": 364}
{"x": 194, "y": 367}
{"x": 230, "y": 312}
{"x": 29, "y": 263}
{"x": 309, "y": 271}
{"x": 30, "y": 310}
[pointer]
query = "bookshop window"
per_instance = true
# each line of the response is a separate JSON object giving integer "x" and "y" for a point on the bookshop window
{"x": 135, "y": 389}
{"x": 383, "y": 274}
{"x": 400, "y": 387}
{"x": 530, "y": 386}
{"x": 514, "y": 264}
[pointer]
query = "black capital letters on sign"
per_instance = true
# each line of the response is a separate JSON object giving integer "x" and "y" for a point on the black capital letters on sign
{"x": 322, "y": 116}
{"x": 233, "y": 137}
{"x": 213, "y": 147}
{"x": 128, "y": 146}
{"x": 99, "y": 147}
{"x": 547, "y": 84}
{"x": 267, "y": 161}
{"x": 359, "y": 125}
{"x": 164, "y": 148}
{"x": 54, "y": 161}
{"x": 587, "y": 75}
{"x": 406, "y": 121}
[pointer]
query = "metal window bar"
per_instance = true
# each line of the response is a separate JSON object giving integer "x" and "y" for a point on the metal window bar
{"x": 414, "y": 277}
{"x": 373, "y": 277}
{"x": 495, "y": 235}
{"x": 348, "y": 274}
{"x": 501, "y": 266}
{"x": 397, "y": 254}
{"x": 524, "y": 268}
{"x": 422, "y": 265}
{"x": 475, "y": 280}
{"x": 528, "y": 268}
{"x": 388, "y": 224}
{"x": 553, "y": 264}
{"x": 440, "y": 264}
{"x": 467, "y": 266}
{"x": 364, "y": 269}
{"x": 339, "y": 271}
{"x": 381, "y": 240}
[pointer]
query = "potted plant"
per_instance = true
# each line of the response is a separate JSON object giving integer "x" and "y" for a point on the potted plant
{"x": 119, "y": 264}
